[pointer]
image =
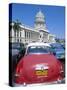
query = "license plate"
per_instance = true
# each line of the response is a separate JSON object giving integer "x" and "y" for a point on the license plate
{"x": 42, "y": 72}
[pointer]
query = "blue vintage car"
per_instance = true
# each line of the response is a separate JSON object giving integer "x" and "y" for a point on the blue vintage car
{"x": 58, "y": 50}
{"x": 16, "y": 51}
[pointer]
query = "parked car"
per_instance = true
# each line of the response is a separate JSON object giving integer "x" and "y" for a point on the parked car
{"x": 63, "y": 45}
{"x": 16, "y": 51}
{"x": 58, "y": 50}
{"x": 19, "y": 47}
{"x": 38, "y": 65}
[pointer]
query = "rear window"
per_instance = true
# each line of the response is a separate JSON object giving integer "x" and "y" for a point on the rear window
{"x": 38, "y": 49}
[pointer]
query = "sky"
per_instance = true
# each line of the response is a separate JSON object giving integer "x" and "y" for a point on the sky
{"x": 54, "y": 16}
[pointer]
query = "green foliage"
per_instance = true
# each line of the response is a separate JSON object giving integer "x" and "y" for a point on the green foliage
{"x": 60, "y": 40}
{"x": 16, "y": 25}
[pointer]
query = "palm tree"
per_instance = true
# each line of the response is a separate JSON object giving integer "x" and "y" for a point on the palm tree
{"x": 10, "y": 27}
{"x": 16, "y": 27}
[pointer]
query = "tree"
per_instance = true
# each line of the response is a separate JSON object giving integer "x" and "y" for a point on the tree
{"x": 10, "y": 27}
{"x": 61, "y": 41}
{"x": 16, "y": 28}
{"x": 57, "y": 40}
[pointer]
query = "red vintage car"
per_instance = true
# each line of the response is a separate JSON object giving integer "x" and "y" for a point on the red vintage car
{"x": 38, "y": 65}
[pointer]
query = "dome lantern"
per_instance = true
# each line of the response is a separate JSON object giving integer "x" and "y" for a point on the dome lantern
{"x": 39, "y": 14}
{"x": 39, "y": 17}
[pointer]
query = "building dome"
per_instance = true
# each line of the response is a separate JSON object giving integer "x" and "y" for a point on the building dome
{"x": 40, "y": 15}
{"x": 40, "y": 23}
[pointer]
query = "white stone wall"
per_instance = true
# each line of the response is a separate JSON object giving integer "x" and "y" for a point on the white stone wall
{"x": 51, "y": 38}
{"x": 45, "y": 37}
{"x": 22, "y": 33}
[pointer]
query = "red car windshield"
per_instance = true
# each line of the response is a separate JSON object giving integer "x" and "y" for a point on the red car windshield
{"x": 38, "y": 49}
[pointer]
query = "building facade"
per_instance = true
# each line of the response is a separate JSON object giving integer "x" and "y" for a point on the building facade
{"x": 27, "y": 34}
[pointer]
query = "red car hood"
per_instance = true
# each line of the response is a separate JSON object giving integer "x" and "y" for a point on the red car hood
{"x": 32, "y": 63}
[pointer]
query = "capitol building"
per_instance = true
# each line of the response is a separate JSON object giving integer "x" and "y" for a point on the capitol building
{"x": 27, "y": 34}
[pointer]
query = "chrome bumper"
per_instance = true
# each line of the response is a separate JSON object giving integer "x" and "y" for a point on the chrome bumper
{"x": 38, "y": 84}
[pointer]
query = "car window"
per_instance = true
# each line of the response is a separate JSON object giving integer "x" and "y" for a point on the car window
{"x": 57, "y": 46}
{"x": 17, "y": 46}
{"x": 38, "y": 49}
